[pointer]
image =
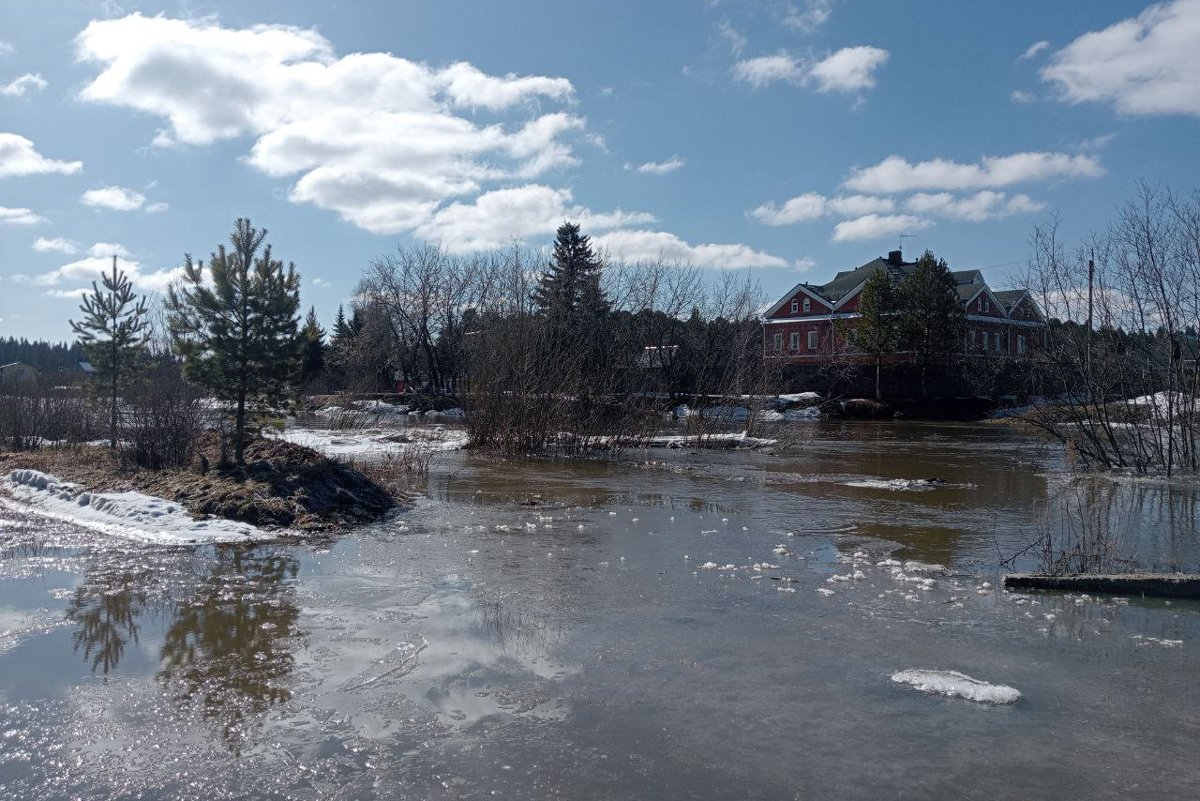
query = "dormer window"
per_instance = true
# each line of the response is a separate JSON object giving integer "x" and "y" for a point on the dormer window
{"x": 984, "y": 305}
{"x": 795, "y": 305}
{"x": 807, "y": 305}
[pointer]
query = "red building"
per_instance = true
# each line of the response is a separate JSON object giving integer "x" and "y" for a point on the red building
{"x": 812, "y": 324}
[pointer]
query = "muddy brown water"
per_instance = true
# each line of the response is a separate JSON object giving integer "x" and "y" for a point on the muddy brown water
{"x": 478, "y": 646}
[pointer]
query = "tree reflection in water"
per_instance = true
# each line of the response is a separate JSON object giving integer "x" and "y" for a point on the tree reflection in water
{"x": 229, "y": 645}
{"x": 106, "y": 607}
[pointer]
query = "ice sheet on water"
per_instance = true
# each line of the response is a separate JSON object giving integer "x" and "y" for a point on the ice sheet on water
{"x": 129, "y": 515}
{"x": 905, "y": 484}
{"x": 957, "y": 685}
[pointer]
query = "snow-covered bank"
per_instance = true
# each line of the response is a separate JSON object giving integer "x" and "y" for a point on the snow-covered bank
{"x": 374, "y": 441}
{"x": 957, "y": 685}
{"x": 129, "y": 515}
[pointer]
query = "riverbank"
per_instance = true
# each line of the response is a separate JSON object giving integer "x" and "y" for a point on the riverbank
{"x": 281, "y": 486}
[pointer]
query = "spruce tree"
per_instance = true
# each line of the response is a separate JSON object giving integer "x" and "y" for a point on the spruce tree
{"x": 312, "y": 339}
{"x": 569, "y": 288}
{"x": 113, "y": 332}
{"x": 932, "y": 316}
{"x": 878, "y": 326}
{"x": 237, "y": 331}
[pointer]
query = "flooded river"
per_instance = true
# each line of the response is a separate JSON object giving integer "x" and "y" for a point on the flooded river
{"x": 597, "y": 630}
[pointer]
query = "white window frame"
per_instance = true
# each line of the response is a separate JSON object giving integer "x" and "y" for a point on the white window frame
{"x": 998, "y": 342}
{"x": 777, "y": 343}
{"x": 1020, "y": 343}
{"x": 807, "y": 305}
{"x": 795, "y": 305}
{"x": 814, "y": 339}
{"x": 794, "y": 341}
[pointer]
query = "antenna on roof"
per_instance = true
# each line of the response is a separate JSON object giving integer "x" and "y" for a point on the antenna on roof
{"x": 903, "y": 237}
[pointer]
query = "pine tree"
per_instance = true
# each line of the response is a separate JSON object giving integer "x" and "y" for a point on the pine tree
{"x": 238, "y": 335}
{"x": 569, "y": 288}
{"x": 932, "y": 317}
{"x": 877, "y": 327}
{"x": 113, "y": 332}
{"x": 312, "y": 338}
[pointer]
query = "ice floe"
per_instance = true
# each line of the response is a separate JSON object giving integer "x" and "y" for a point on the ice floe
{"x": 905, "y": 484}
{"x": 128, "y": 515}
{"x": 957, "y": 685}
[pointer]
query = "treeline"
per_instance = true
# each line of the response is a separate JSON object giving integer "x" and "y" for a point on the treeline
{"x": 570, "y": 352}
{"x": 51, "y": 356}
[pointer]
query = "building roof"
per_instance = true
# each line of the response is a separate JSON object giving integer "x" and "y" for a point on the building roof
{"x": 1010, "y": 297}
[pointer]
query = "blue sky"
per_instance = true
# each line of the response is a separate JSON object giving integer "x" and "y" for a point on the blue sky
{"x": 790, "y": 138}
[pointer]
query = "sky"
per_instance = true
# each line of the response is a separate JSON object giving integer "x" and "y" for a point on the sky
{"x": 789, "y": 139}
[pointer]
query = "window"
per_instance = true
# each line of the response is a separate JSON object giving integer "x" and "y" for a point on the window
{"x": 795, "y": 305}
{"x": 974, "y": 343}
{"x": 794, "y": 341}
{"x": 1020, "y": 343}
{"x": 807, "y": 305}
{"x": 984, "y": 305}
{"x": 997, "y": 342}
{"x": 813, "y": 337}
{"x": 777, "y": 343}
{"x": 853, "y": 337}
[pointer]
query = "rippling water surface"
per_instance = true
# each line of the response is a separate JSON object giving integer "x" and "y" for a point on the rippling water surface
{"x": 580, "y": 629}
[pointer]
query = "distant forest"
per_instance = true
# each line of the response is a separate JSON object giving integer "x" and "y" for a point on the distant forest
{"x": 42, "y": 355}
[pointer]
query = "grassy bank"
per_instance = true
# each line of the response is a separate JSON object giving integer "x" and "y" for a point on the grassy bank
{"x": 281, "y": 485}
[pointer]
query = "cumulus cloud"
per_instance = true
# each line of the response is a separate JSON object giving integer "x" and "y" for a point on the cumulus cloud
{"x": 658, "y": 167}
{"x": 371, "y": 136}
{"x": 22, "y": 85}
{"x": 1148, "y": 64}
{"x": 320, "y": 283}
{"x": 18, "y": 157}
{"x": 57, "y": 245}
{"x": 896, "y": 174}
{"x": 851, "y": 69}
{"x": 984, "y": 205}
{"x": 764, "y": 70}
{"x": 19, "y": 216}
{"x": 813, "y": 206}
{"x": 99, "y": 259}
{"x": 117, "y": 198}
{"x": 156, "y": 208}
{"x": 877, "y": 226}
{"x": 498, "y": 217}
{"x": 641, "y": 245}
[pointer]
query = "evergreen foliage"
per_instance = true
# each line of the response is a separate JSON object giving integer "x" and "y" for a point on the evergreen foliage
{"x": 569, "y": 290}
{"x": 237, "y": 332}
{"x": 312, "y": 339}
{"x": 932, "y": 316}
{"x": 878, "y": 326}
{"x": 113, "y": 332}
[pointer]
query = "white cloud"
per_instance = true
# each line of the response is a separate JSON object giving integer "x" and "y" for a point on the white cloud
{"x": 18, "y": 87}
{"x": 804, "y": 264}
{"x": 851, "y": 69}
{"x": 496, "y": 218}
{"x": 984, "y": 205}
{"x": 6, "y": 47}
{"x": 1033, "y": 50}
{"x": 813, "y": 206}
{"x": 658, "y": 167}
{"x": 809, "y": 206}
{"x": 57, "y": 245}
{"x": 1149, "y": 64}
{"x": 1021, "y": 96}
{"x": 156, "y": 208}
{"x": 877, "y": 226}
{"x": 735, "y": 38}
{"x": 18, "y": 157}
{"x": 895, "y": 174}
{"x": 811, "y": 16}
{"x": 764, "y": 70}
{"x": 638, "y": 245}
{"x": 19, "y": 216}
{"x": 320, "y": 283}
{"x": 117, "y": 198}
{"x": 371, "y": 136}
{"x": 99, "y": 259}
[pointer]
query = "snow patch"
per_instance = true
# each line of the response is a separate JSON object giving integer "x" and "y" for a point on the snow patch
{"x": 953, "y": 684}
{"x": 905, "y": 484}
{"x": 129, "y": 515}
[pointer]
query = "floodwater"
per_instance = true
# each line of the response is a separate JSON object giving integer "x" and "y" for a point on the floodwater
{"x": 547, "y": 629}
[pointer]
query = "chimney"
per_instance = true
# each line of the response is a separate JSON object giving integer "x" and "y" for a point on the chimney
{"x": 895, "y": 258}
